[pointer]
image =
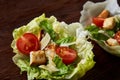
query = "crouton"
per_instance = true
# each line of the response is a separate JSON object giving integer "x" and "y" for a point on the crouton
{"x": 109, "y": 23}
{"x": 112, "y": 42}
{"x": 104, "y": 14}
{"x": 37, "y": 57}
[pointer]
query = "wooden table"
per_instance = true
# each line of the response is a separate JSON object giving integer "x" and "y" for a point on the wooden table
{"x": 15, "y": 13}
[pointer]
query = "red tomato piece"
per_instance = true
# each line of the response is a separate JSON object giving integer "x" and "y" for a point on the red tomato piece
{"x": 117, "y": 37}
{"x": 27, "y": 42}
{"x": 67, "y": 54}
{"x": 98, "y": 21}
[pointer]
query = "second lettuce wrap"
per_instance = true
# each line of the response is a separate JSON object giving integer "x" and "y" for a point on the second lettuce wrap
{"x": 100, "y": 35}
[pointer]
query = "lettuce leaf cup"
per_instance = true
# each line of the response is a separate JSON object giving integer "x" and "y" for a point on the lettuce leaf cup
{"x": 48, "y": 49}
{"x": 102, "y": 20}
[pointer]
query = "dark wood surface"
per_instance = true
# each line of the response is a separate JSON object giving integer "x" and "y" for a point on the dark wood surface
{"x": 15, "y": 13}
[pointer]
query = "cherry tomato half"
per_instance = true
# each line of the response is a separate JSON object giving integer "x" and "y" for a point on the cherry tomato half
{"x": 27, "y": 42}
{"x": 117, "y": 37}
{"x": 98, "y": 21}
{"x": 67, "y": 54}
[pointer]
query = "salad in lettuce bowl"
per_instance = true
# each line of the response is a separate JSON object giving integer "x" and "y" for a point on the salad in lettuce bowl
{"x": 51, "y": 50}
{"x": 102, "y": 20}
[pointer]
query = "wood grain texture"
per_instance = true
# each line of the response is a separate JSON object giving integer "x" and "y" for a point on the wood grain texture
{"x": 15, "y": 13}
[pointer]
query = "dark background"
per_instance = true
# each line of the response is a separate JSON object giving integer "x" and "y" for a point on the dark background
{"x": 15, "y": 13}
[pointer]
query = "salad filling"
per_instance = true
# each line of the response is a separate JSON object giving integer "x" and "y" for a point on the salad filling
{"x": 52, "y": 50}
{"x": 103, "y": 24}
{"x": 105, "y": 30}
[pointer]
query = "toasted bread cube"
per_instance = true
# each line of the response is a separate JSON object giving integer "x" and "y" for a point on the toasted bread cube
{"x": 109, "y": 23}
{"x": 37, "y": 57}
{"x": 112, "y": 42}
{"x": 104, "y": 14}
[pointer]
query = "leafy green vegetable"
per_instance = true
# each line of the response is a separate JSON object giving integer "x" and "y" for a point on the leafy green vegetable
{"x": 117, "y": 24}
{"x": 33, "y": 72}
{"x": 47, "y": 26}
{"x": 100, "y": 36}
{"x": 63, "y": 69}
{"x": 65, "y": 40}
{"x": 94, "y": 31}
{"x": 110, "y": 33}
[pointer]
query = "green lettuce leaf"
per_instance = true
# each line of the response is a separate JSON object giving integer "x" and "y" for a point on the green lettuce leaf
{"x": 65, "y": 40}
{"x": 63, "y": 69}
{"x": 99, "y": 34}
{"x": 47, "y": 26}
{"x": 33, "y": 72}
